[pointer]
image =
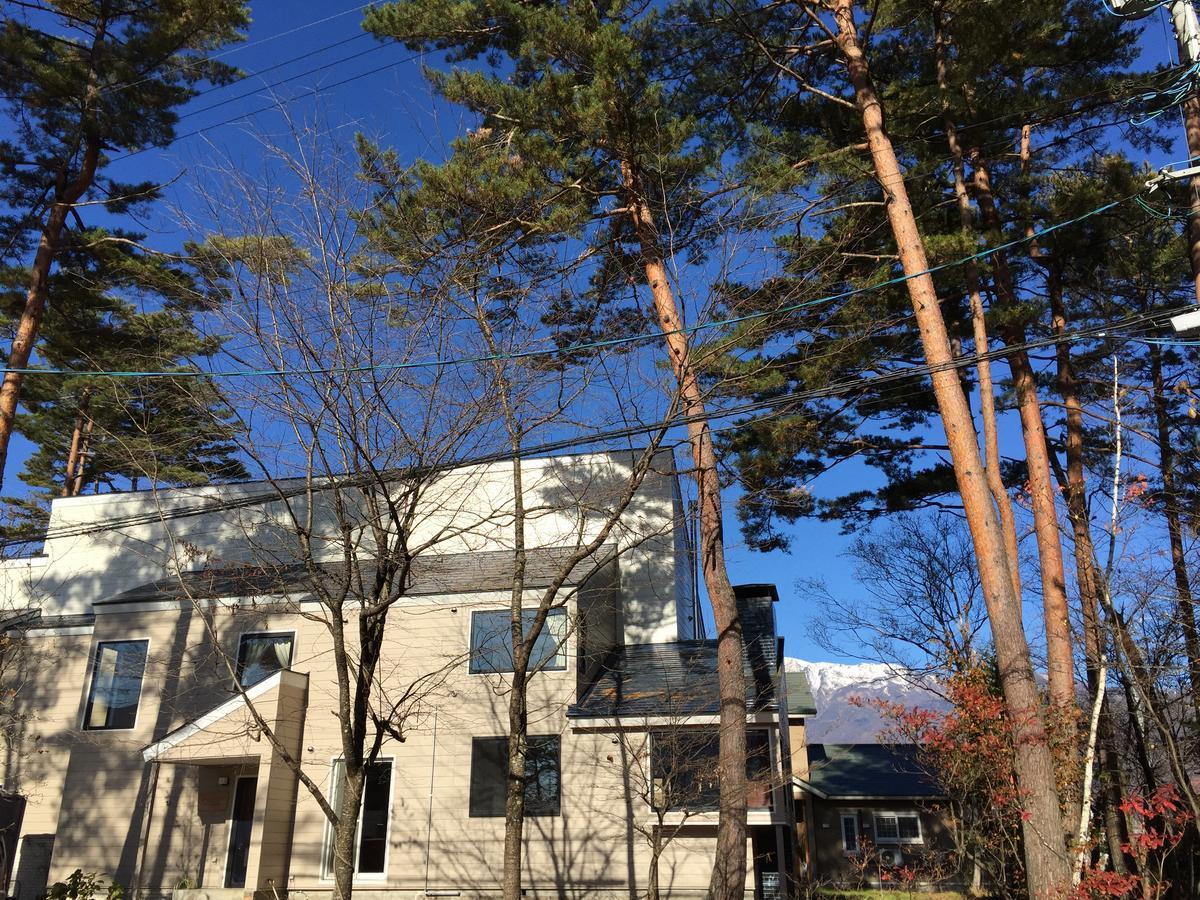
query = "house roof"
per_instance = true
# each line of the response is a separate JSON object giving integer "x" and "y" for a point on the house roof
{"x": 441, "y": 573}
{"x": 860, "y": 771}
{"x": 22, "y": 619}
{"x": 799, "y": 695}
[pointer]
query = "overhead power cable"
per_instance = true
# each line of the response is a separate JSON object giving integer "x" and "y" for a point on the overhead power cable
{"x": 770, "y": 405}
{"x": 606, "y": 343}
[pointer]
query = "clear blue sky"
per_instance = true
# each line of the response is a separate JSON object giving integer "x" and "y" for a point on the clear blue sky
{"x": 392, "y": 103}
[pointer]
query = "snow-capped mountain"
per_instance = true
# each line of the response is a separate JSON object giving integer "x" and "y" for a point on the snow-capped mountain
{"x": 834, "y": 684}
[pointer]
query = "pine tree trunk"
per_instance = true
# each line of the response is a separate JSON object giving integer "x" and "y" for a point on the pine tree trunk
{"x": 1184, "y": 606}
{"x": 987, "y": 397}
{"x": 1074, "y": 492}
{"x": 80, "y": 435}
{"x": 1047, "y": 863}
{"x": 1060, "y": 660}
{"x": 728, "y": 878}
{"x": 1191, "y": 125}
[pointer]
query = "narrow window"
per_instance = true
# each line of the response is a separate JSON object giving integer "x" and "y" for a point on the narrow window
{"x": 261, "y": 655}
{"x": 116, "y": 685}
{"x": 371, "y": 835}
{"x": 491, "y": 641}
{"x": 489, "y": 775}
{"x": 849, "y": 832}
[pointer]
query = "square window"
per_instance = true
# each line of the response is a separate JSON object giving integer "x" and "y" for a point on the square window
{"x": 262, "y": 654}
{"x": 886, "y": 829}
{"x": 489, "y": 776}
{"x": 684, "y": 764}
{"x": 374, "y": 820}
{"x": 116, "y": 685}
{"x": 910, "y": 828}
{"x": 491, "y": 641}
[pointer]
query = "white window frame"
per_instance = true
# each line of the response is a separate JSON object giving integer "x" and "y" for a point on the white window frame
{"x": 259, "y": 632}
{"x": 563, "y": 641}
{"x": 229, "y": 824}
{"x": 852, "y": 816}
{"x": 898, "y": 840}
{"x": 327, "y": 839}
{"x": 89, "y": 684}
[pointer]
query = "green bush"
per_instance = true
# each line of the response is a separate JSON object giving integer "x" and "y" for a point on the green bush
{"x": 79, "y": 886}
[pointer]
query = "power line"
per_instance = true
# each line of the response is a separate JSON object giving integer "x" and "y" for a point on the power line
{"x": 771, "y": 405}
{"x": 606, "y": 343}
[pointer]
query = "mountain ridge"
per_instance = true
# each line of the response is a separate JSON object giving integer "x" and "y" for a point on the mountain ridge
{"x": 834, "y": 685}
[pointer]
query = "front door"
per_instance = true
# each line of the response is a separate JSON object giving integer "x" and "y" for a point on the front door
{"x": 241, "y": 823}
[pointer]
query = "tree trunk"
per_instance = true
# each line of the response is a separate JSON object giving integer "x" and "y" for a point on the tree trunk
{"x": 1059, "y": 655}
{"x": 1191, "y": 125}
{"x": 1185, "y": 608}
{"x": 80, "y": 438}
{"x": 38, "y": 291}
{"x": 1047, "y": 864}
{"x": 987, "y": 396}
{"x": 1074, "y": 492}
{"x": 729, "y": 872}
{"x": 345, "y": 831}
{"x": 518, "y": 710}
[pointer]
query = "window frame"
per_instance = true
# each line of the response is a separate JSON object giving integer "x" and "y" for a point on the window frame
{"x": 326, "y": 871}
{"x": 237, "y": 667}
{"x": 473, "y": 659}
{"x": 899, "y": 839}
{"x": 90, "y": 685}
{"x": 851, "y": 816}
{"x": 476, "y": 739}
{"x": 771, "y": 762}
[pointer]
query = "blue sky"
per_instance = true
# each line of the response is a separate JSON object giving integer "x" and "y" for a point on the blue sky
{"x": 391, "y": 102}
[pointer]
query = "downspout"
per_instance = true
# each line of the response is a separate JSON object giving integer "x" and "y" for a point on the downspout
{"x": 789, "y": 863}
{"x": 147, "y": 814}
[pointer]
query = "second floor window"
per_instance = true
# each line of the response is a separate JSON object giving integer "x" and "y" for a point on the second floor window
{"x": 684, "y": 764}
{"x": 261, "y": 655}
{"x": 116, "y": 685}
{"x": 491, "y": 640}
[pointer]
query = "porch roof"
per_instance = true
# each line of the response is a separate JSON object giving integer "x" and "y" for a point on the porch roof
{"x": 230, "y": 731}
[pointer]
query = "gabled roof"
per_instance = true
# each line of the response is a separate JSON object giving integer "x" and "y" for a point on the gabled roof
{"x": 862, "y": 771}
{"x": 432, "y": 573}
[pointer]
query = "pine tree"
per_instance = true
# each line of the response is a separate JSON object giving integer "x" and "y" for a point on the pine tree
{"x": 578, "y": 141}
{"x": 83, "y": 82}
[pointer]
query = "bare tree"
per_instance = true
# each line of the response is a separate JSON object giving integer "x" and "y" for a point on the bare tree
{"x": 920, "y": 610}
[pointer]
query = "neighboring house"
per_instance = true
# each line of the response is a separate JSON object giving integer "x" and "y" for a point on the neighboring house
{"x": 138, "y": 759}
{"x": 870, "y": 809}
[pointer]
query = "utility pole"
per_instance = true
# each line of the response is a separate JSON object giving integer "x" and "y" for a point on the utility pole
{"x": 1187, "y": 39}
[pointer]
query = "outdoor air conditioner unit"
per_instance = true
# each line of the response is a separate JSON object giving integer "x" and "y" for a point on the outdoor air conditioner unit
{"x": 891, "y": 857}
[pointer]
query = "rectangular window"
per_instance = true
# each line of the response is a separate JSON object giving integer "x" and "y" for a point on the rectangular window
{"x": 491, "y": 640}
{"x": 683, "y": 764}
{"x": 374, "y": 820}
{"x": 261, "y": 655}
{"x": 489, "y": 775}
{"x": 850, "y": 832}
{"x": 897, "y": 828}
{"x": 116, "y": 685}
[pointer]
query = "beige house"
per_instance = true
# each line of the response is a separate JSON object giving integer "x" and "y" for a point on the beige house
{"x": 159, "y": 633}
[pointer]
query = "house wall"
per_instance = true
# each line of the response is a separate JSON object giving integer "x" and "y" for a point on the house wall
{"x": 593, "y": 847}
{"x": 461, "y": 510}
{"x": 833, "y": 865}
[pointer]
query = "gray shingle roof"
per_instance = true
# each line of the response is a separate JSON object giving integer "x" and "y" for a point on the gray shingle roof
{"x": 21, "y": 619}
{"x": 800, "y": 699}
{"x": 444, "y": 573}
{"x": 672, "y": 680}
{"x": 852, "y": 771}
